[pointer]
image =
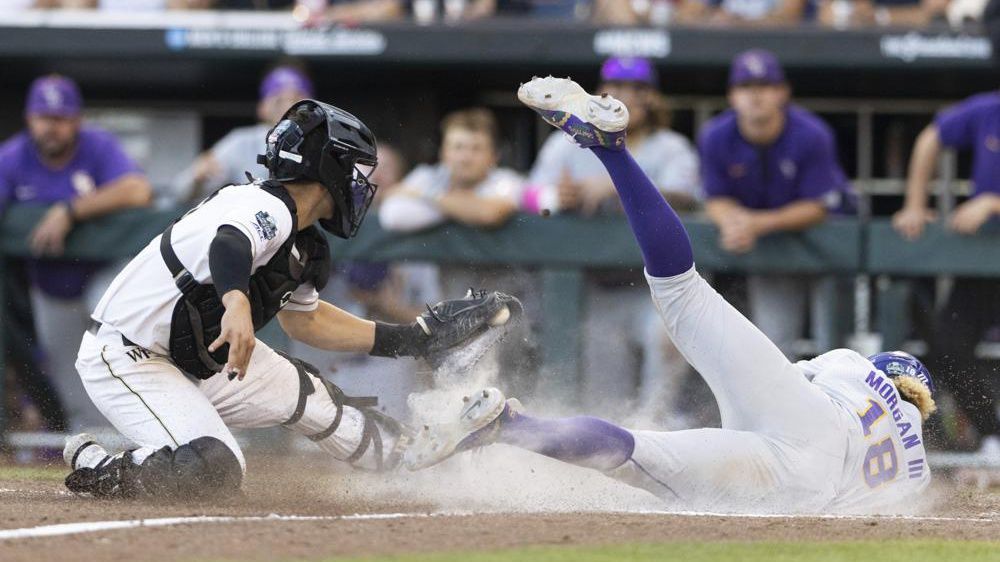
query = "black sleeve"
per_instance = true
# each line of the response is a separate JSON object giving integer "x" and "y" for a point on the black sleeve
{"x": 230, "y": 259}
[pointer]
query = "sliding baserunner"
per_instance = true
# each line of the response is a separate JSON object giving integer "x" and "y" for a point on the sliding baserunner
{"x": 839, "y": 432}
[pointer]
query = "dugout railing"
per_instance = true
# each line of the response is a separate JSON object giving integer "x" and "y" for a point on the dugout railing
{"x": 561, "y": 248}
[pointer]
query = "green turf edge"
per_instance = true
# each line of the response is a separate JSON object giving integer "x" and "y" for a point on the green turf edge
{"x": 882, "y": 551}
{"x": 55, "y": 472}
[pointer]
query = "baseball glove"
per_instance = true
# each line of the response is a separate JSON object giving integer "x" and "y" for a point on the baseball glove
{"x": 450, "y": 323}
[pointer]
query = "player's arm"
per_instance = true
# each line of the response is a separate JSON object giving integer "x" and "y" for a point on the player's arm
{"x": 230, "y": 261}
{"x": 911, "y": 219}
{"x": 408, "y": 211}
{"x": 468, "y": 208}
{"x": 795, "y": 216}
{"x": 330, "y": 328}
{"x": 125, "y": 192}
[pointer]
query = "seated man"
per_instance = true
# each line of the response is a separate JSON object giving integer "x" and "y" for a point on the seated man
{"x": 838, "y": 432}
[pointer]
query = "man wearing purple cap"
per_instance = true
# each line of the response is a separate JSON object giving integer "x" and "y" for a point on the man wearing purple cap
{"x": 616, "y": 302}
{"x": 228, "y": 161}
{"x": 769, "y": 166}
{"x": 80, "y": 172}
{"x": 972, "y": 306}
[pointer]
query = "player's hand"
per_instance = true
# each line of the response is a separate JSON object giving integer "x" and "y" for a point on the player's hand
{"x": 567, "y": 191}
{"x": 205, "y": 168}
{"x": 593, "y": 192}
{"x": 970, "y": 216}
{"x": 237, "y": 331}
{"x": 49, "y": 236}
{"x": 909, "y": 222}
{"x": 738, "y": 233}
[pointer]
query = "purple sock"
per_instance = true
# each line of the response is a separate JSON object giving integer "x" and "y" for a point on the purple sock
{"x": 584, "y": 441}
{"x": 661, "y": 236}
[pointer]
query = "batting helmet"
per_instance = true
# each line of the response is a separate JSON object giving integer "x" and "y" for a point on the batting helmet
{"x": 899, "y": 363}
{"x": 317, "y": 141}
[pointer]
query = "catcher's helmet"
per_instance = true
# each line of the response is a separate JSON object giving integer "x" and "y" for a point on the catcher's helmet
{"x": 899, "y": 363}
{"x": 318, "y": 141}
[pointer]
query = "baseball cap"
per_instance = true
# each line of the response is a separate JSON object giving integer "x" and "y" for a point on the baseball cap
{"x": 629, "y": 69}
{"x": 757, "y": 66}
{"x": 54, "y": 95}
{"x": 285, "y": 78}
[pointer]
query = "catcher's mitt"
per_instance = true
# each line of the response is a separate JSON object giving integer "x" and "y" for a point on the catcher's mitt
{"x": 450, "y": 323}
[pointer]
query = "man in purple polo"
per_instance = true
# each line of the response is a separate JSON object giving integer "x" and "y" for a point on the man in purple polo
{"x": 79, "y": 172}
{"x": 973, "y": 307}
{"x": 770, "y": 166}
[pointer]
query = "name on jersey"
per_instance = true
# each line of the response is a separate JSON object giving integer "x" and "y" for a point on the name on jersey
{"x": 266, "y": 228}
{"x": 887, "y": 391}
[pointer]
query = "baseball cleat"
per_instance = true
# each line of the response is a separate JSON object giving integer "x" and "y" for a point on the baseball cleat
{"x": 590, "y": 120}
{"x": 478, "y": 425}
{"x": 79, "y": 444}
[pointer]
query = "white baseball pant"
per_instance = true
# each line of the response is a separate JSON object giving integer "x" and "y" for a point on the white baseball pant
{"x": 783, "y": 441}
{"x": 154, "y": 404}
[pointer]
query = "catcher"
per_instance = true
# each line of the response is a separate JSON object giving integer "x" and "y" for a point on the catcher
{"x": 839, "y": 432}
{"x": 187, "y": 307}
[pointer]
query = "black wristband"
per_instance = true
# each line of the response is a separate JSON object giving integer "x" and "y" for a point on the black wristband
{"x": 393, "y": 340}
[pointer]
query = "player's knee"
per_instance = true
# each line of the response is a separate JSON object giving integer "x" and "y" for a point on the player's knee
{"x": 208, "y": 465}
{"x": 205, "y": 467}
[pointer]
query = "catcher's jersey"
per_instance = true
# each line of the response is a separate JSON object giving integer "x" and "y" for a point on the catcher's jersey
{"x": 140, "y": 301}
{"x": 885, "y": 461}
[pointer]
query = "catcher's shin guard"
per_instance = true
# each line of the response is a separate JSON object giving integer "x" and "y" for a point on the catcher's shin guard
{"x": 348, "y": 427}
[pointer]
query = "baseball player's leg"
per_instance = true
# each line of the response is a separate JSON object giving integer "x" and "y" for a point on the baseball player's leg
{"x": 184, "y": 448}
{"x": 729, "y": 470}
{"x": 756, "y": 386}
{"x": 714, "y": 468}
{"x": 280, "y": 390}
{"x": 778, "y": 308}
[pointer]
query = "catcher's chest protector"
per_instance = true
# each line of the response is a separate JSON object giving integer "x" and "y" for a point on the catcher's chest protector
{"x": 197, "y": 316}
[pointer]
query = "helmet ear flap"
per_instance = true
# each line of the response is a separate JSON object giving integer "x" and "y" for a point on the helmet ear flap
{"x": 282, "y": 157}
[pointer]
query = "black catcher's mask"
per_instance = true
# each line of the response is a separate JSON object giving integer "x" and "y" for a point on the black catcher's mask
{"x": 327, "y": 146}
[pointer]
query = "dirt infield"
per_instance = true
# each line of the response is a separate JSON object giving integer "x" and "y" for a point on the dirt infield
{"x": 30, "y": 500}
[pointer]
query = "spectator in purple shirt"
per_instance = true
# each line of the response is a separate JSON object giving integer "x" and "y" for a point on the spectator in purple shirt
{"x": 973, "y": 306}
{"x": 769, "y": 166}
{"x": 80, "y": 173}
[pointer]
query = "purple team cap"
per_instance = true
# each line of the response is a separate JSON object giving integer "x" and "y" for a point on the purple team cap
{"x": 629, "y": 69}
{"x": 54, "y": 95}
{"x": 756, "y": 66}
{"x": 285, "y": 78}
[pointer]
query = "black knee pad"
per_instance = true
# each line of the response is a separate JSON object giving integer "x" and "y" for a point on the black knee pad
{"x": 205, "y": 467}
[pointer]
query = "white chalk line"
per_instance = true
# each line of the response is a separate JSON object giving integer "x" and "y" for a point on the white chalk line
{"x": 65, "y": 529}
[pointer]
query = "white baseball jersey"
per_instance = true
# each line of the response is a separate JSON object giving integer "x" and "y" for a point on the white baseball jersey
{"x": 886, "y": 461}
{"x": 140, "y": 301}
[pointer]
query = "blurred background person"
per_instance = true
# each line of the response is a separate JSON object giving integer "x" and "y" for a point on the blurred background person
{"x": 80, "y": 173}
{"x": 770, "y": 166}
{"x": 883, "y": 13}
{"x": 622, "y": 335}
{"x": 466, "y": 186}
{"x": 752, "y": 13}
{"x": 235, "y": 154}
{"x": 973, "y": 306}
{"x": 469, "y": 187}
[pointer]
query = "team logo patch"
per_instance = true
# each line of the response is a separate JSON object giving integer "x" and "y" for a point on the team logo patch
{"x": 267, "y": 229}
